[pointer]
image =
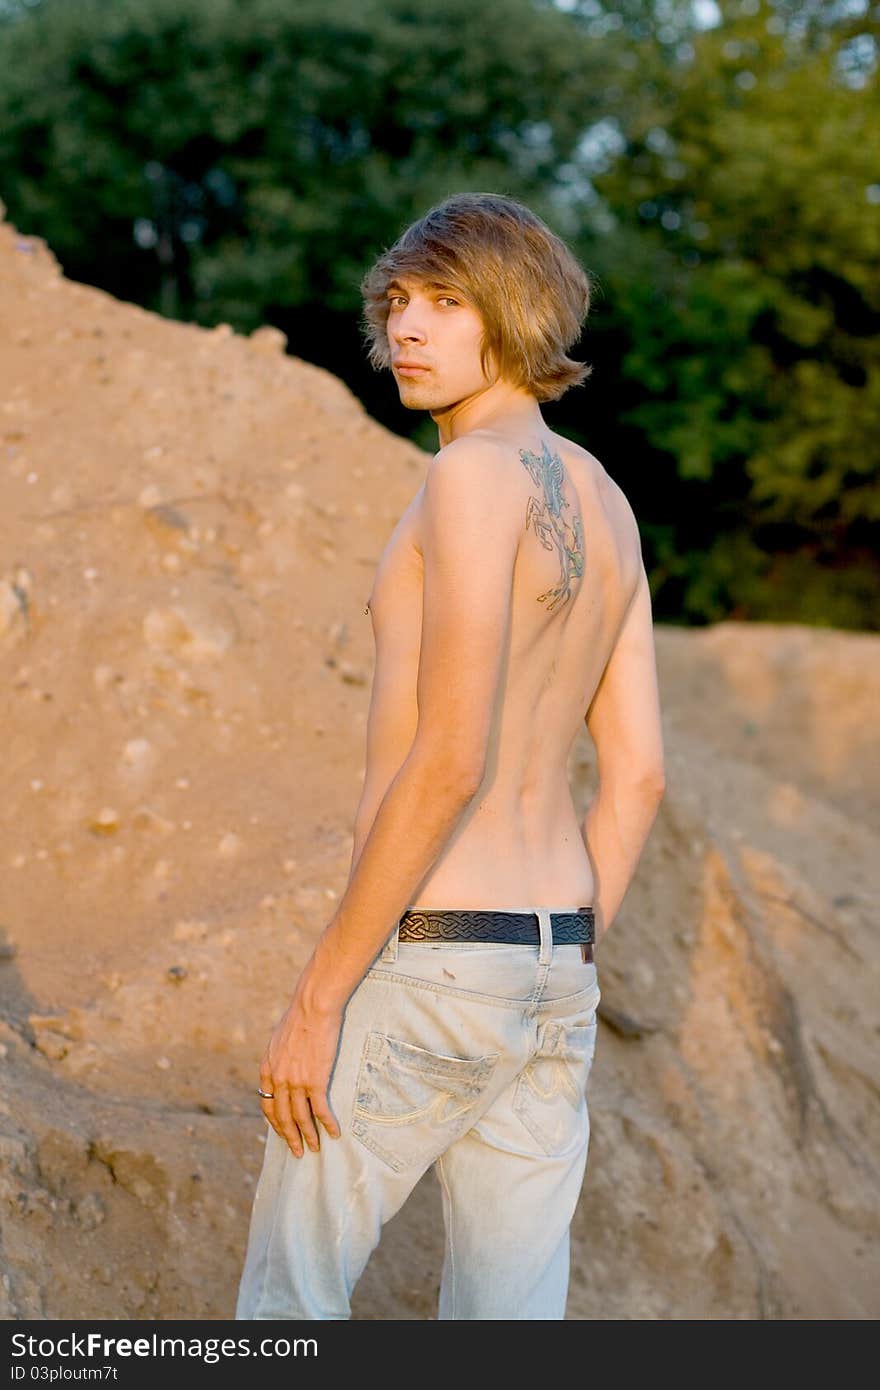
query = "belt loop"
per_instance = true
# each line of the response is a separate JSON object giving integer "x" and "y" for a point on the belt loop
{"x": 389, "y": 950}
{"x": 545, "y": 955}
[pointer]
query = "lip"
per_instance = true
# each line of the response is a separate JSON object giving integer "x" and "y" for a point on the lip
{"x": 410, "y": 368}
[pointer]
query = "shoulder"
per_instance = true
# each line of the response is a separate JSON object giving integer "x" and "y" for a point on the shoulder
{"x": 473, "y": 480}
{"x": 476, "y": 469}
{"x": 626, "y": 526}
{"x": 475, "y": 458}
{"x": 618, "y": 503}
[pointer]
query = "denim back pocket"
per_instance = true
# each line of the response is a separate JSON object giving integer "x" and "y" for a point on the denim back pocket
{"x": 411, "y": 1104}
{"x": 550, "y": 1095}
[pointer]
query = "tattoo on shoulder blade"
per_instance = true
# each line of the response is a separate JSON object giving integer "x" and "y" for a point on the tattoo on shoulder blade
{"x": 551, "y": 527}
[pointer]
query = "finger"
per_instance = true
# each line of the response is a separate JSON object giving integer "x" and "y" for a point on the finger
{"x": 268, "y": 1109}
{"x": 284, "y": 1116}
{"x": 267, "y": 1103}
{"x": 321, "y": 1111}
{"x": 266, "y": 1080}
{"x": 304, "y": 1118}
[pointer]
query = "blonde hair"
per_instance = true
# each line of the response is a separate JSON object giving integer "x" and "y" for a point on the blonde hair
{"x": 531, "y": 292}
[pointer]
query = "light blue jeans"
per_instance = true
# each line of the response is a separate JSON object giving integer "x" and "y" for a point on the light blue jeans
{"x": 470, "y": 1056}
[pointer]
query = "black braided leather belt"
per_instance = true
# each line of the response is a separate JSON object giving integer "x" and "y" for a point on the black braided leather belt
{"x": 516, "y": 928}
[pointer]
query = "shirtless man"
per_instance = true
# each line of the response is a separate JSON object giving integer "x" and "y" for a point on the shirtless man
{"x": 447, "y": 1016}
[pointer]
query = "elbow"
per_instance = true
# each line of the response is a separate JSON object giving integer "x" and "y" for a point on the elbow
{"x": 467, "y": 778}
{"x": 472, "y": 781}
{"x": 644, "y": 779}
{"x": 449, "y": 775}
{"x": 642, "y": 784}
{"x": 655, "y": 784}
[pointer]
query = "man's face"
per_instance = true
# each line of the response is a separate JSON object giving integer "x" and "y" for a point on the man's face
{"x": 435, "y": 328}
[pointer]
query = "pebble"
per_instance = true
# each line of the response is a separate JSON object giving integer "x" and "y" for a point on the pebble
{"x": 145, "y": 818}
{"x": 52, "y": 1045}
{"x": 10, "y": 605}
{"x": 136, "y": 751}
{"x": 190, "y": 930}
{"x": 268, "y": 339}
{"x": 90, "y": 1211}
{"x": 352, "y": 675}
{"x": 150, "y": 495}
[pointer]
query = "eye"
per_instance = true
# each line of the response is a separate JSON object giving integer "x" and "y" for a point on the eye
{"x": 393, "y": 297}
{"x": 447, "y": 299}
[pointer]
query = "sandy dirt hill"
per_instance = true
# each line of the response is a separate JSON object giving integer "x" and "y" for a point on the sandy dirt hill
{"x": 189, "y": 528}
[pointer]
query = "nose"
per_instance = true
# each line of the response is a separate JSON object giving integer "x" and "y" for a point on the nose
{"x": 407, "y": 325}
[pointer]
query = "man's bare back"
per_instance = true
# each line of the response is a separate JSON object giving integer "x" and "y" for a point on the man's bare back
{"x": 577, "y": 568}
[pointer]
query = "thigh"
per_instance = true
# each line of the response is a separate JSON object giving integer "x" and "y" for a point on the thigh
{"x": 512, "y": 1182}
{"x": 509, "y": 1195}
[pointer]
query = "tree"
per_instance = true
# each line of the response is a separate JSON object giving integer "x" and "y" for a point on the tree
{"x": 739, "y": 243}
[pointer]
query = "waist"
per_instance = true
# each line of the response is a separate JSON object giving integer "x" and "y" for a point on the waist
{"x": 569, "y": 925}
{"x": 489, "y": 863}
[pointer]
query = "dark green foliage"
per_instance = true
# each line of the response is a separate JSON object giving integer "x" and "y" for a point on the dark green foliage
{"x": 739, "y": 248}
{"x": 289, "y": 140}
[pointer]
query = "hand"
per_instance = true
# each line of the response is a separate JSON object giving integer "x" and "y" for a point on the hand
{"x": 296, "y": 1069}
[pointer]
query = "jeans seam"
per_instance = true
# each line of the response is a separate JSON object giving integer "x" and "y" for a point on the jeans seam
{"x": 433, "y": 985}
{"x": 543, "y": 977}
{"x": 449, "y": 1220}
{"x": 530, "y": 1005}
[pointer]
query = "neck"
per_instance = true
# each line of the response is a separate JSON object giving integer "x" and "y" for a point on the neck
{"x": 500, "y": 407}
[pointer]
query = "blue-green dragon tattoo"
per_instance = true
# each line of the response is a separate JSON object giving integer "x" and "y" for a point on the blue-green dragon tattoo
{"x": 550, "y": 526}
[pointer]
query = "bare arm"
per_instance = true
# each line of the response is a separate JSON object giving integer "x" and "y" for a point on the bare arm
{"x": 624, "y": 723}
{"x": 470, "y": 539}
